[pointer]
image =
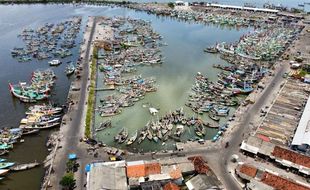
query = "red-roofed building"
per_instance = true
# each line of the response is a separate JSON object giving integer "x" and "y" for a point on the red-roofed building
{"x": 171, "y": 186}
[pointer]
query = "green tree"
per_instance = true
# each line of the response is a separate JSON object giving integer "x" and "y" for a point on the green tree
{"x": 67, "y": 182}
{"x": 70, "y": 165}
{"x": 171, "y": 5}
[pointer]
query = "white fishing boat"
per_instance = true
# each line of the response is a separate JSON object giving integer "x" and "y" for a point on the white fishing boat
{"x": 54, "y": 62}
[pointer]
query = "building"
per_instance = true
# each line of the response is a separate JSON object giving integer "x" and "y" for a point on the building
{"x": 283, "y": 156}
{"x": 107, "y": 175}
{"x": 302, "y": 134}
{"x": 232, "y": 7}
{"x": 167, "y": 174}
{"x": 259, "y": 178}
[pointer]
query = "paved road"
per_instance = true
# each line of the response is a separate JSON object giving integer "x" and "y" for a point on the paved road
{"x": 76, "y": 125}
{"x": 237, "y": 137}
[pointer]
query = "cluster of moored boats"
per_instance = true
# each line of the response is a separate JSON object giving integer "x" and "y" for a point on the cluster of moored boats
{"x": 37, "y": 117}
{"x": 6, "y": 167}
{"x": 130, "y": 90}
{"x": 216, "y": 98}
{"x": 41, "y": 117}
{"x": 265, "y": 44}
{"x": 134, "y": 43}
{"x": 170, "y": 126}
{"x": 38, "y": 89}
{"x": 205, "y": 17}
{"x": 48, "y": 41}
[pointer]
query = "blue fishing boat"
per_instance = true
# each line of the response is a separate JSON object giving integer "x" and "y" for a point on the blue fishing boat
{"x": 4, "y": 165}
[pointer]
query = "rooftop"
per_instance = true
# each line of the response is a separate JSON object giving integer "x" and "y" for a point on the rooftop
{"x": 199, "y": 164}
{"x": 291, "y": 156}
{"x": 171, "y": 186}
{"x": 103, "y": 176}
{"x": 302, "y": 134}
{"x": 281, "y": 183}
{"x": 267, "y": 179}
{"x": 242, "y": 8}
{"x": 142, "y": 169}
{"x": 248, "y": 170}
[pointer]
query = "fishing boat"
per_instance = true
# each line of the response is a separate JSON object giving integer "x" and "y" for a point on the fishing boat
{"x": 54, "y": 62}
{"x": 143, "y": 135}
{"x": 44, "y": 109}
{"x": 30, "y": 131}
{"x": 213, "y": 116}
{"x": 28, "y": 96}
{"x": 5, "y": 146}
{"x": 149, "y": 134}
{"x": 221, "y": 111}
{"x": 121, "y": 136}
{"x": 3, "y": 152}
{"x": 179, "y": 130}
{"x": 132, "y": 139}
{"x": 155, "y": 138}
{"x": 21, "y": 167}
{"x": 199, "y": 130}
{"x": 211, "y": 50}
{"x": 3, "y": 172}
{"x": 43, "y": 126}
{"x": 70, "y": 70}
{"x": 104, "y": 125}
{"x": 4, "y": 165}
{"x": 2, "y": 159}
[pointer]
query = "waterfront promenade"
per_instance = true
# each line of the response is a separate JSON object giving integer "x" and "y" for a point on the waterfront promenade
{"x": 72, "y": 130}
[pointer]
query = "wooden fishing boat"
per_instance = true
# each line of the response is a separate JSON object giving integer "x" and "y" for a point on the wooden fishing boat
{"x": 46, "y": 126}
{"x": 179, "y": 130}
{"x": 121, "y": 136}
{"x": 30, "y": 131}
{"x": 211, "y": 50}
{"x": 149, "y": 134}
{"x": 213, "y": 116}
{"x": 54, "y": 62}
{"x": 132, "y": 139}
{"x": 4, "y": 165}
{"x": 21, "y": 167}
{"x": 3, "y": 172}
{"x": 69, "y": 70}
{"x": 104, "y": 125}
{"x": 143, "y": 135}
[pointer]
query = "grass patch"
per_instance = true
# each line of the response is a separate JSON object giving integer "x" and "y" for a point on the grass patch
{"x": 91, "y": 94}
{"x": 302, "y": 73}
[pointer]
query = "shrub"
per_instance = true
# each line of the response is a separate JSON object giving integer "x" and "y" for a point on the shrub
{"x": 67, "y": 182}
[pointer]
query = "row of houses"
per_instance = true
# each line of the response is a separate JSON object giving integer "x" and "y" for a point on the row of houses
{"x": 284, "y": 157}
{"x": 260, "y": 178}
{"x": 166, "y": 174}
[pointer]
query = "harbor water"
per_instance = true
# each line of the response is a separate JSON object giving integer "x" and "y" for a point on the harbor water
{"x": 184, "y": 58}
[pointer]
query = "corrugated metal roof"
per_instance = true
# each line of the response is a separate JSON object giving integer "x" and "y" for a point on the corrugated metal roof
{"x": 132, "y": 163}
{"x": 302, "y": 135}
{"x": 249, "y": 148}
{"x": 242, "y": 8}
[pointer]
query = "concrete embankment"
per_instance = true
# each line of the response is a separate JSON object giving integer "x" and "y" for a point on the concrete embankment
{"x": 72, "y": 127}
